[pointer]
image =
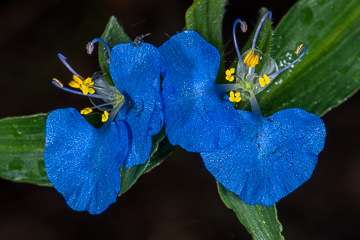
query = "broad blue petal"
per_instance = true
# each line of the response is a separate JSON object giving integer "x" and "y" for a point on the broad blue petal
{"x": 83, "y": 162}
{"x": 196, "y": 118}
{"x": 271, "y": 157}
{"x": 135, "y": 71}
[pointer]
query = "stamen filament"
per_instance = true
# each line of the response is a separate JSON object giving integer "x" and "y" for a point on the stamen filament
{"x": 301, "y": 48}
{"x": 268, "y": 14}
{"x": 255, "y": 106}
{"x": 223, "y": 88}
{"x": 90, "y": 45}
{"x": 63, "y": 60}
{"x": 58, "y": 84}
{"x": 243, "y": 28}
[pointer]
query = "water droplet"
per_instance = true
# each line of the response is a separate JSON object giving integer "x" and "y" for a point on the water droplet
{"x": 320, "y": 24}
{"x": 343, "y": 70}
{"x": 278, "y": 81}
{"x": 16, "y": 164}
{"x": 306, "y": 15}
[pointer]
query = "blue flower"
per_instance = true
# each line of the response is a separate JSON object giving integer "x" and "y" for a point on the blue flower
{"x": 272, "y": 156}
{"x": 196, "y": 117}
{"x": 82, "y": 162}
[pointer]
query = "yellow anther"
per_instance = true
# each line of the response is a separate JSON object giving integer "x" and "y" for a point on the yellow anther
{"x": 58, "y": 83}
{"x": 229, "y": 74}
{"x": 234, "y": 97}
{"x": 251, "y": 60}
{"x": 86, "y": 86}
{"x": 86, "y": 111}
{"x": 265, "y": 80}
{"x": 105, "y": 116}
{"x": 88, "y": 81}
{"x": 298, "y": 49}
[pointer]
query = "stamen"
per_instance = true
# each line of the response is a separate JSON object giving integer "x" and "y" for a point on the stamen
{"x": 229, "y": 74}
{"x": 251, "y": 60}
{"x": 268, "y": 14}
{"x": 63, "y": 60}
{"x": 301, "y": 48}
{"x": 59, "y": 84}
{"x": 263, "y": 81}
{"x": 243, "y": 28}
{"x": 105, "y": 116}
{"x": 90, "y": 45}
{"x": 86, "y": 86}
{"x": 234, "y": 97}
{"x": 86, "y": 111}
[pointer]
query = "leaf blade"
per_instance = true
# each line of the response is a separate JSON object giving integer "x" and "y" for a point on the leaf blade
{"x": 261, "y": 222}
{"x": 329, "y": 73}
{"x": 22, "y": 149}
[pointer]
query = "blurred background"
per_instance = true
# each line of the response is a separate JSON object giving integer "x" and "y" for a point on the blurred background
{"x": 179, "y": 199}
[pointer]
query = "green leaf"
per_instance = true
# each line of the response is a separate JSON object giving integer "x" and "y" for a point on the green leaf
{"x": 161, "y": 149}
{"x": 22, "y": 149}
{"x": 261, "y": 222}
{"x": 113, "y": 34}
{"x": 206, "y": 17}
{"x": 329, "y": 72}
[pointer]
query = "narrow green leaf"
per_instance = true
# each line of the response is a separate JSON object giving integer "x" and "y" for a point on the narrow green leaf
{"x": 113, "y": 34}
{"x": 329, "y": 72}
{"x": 206, "y": 17}
{"x": 22, "y": 149}
{"x": 261, "y": 222}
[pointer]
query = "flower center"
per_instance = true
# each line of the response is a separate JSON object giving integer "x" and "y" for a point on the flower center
{"x": 255, "y": 70}
{"x": 102, "y": 95}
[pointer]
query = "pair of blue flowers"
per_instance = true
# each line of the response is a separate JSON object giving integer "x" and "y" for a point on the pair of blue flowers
{"x": 260, "y": 159}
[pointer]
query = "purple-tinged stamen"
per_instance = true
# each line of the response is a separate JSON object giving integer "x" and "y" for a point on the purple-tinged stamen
{"x": 268, "y": 14}
{"x": 63, "y": 60}
{"x": 58, "y": 84}
{"x": 302, "y": 49}
{"x": 90, "y": 45}
{"x": 243, "y": 28}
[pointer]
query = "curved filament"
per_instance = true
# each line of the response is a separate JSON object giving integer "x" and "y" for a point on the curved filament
{"x": 63, "y": 60}
{"x": 243, "y": 27}
{"x": 268, "y": 14}
{"x": 301, "y": 49}
{"x": 90, "y": 45}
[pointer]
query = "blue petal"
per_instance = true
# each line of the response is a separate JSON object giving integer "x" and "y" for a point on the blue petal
{"x": 135, "y": 71}
{"x": 271, "y": 157}
{"x": 83, "y": 162}
{"x": 196, "y": 118}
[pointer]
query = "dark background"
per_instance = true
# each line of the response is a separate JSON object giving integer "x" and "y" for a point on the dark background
{"x": 177, "y": 200}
